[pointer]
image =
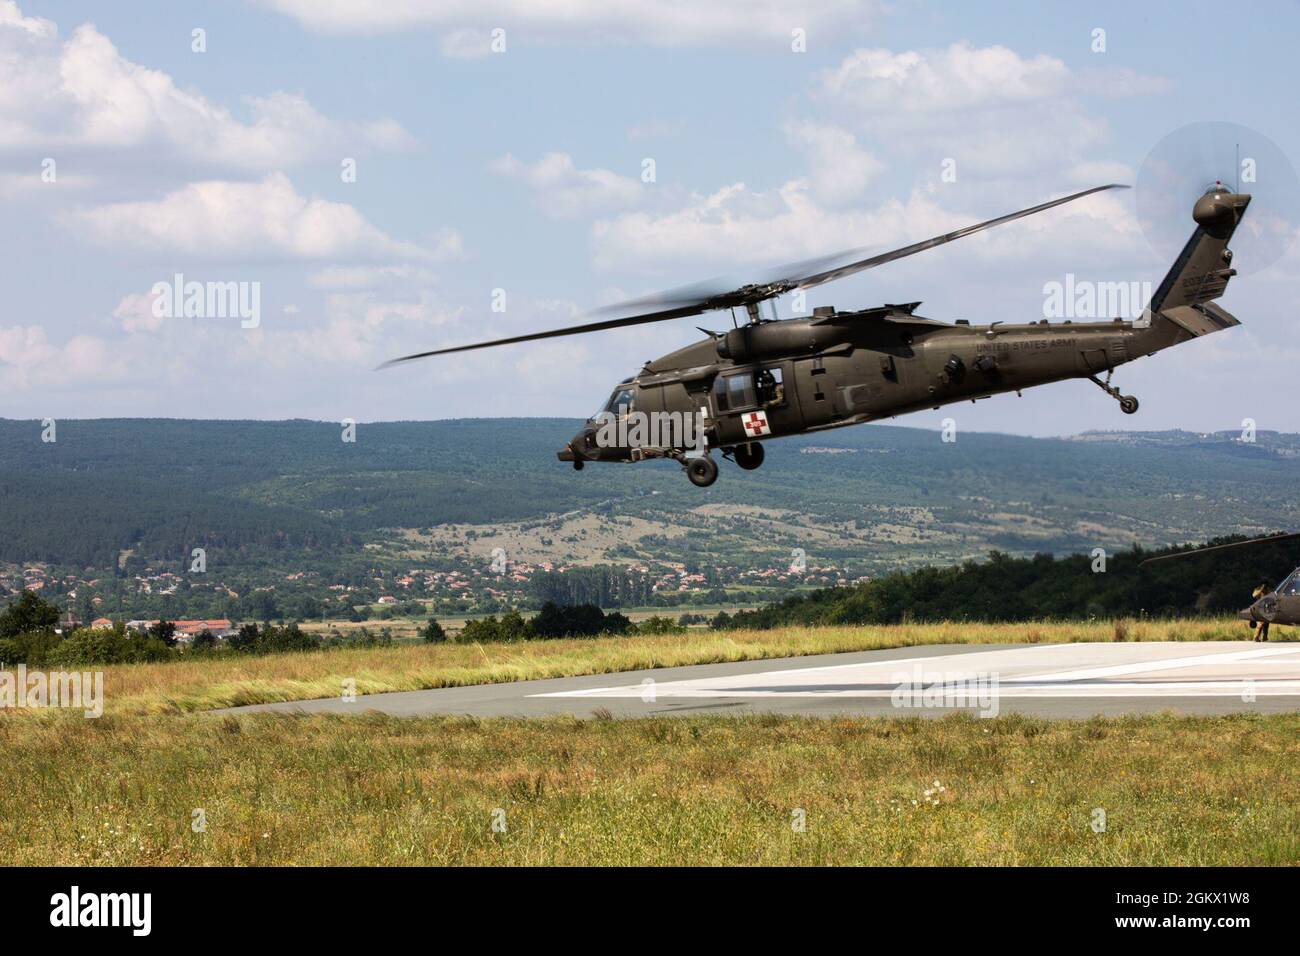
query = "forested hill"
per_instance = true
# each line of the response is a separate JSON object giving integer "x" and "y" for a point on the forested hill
{"x": 1043, "y": 587}
{"x": 158, "y": 487}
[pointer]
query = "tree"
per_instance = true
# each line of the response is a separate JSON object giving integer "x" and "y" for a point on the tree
{"x": 659, "y": 625}
{"x": 29, "y": 614}
{"x": 165, "y": 631}
{"x": 246, "y": 640}
{"x": 432, "y": 632}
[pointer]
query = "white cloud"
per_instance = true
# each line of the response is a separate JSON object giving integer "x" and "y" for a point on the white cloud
{"x": 736, "y": 227}
{"x": 365, "y": 277}
{"x": 467, "y": 44}
{"x": 136, "y": 313}
{"x": 82, "y": 93}
{"x": 725, "y": 21}
{"x": 235, "y": 220}
{"x": 839, "y": 168}
{"x": 360, "y": 330}
{"x": 11, "y": 18}
{"x": 29, "y": 360}
{"x": 959, "y": 78}
{"x": 999, "y": 115}
{"x": 564, "y": 191}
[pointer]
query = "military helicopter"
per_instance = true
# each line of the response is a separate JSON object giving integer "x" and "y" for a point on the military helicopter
{"x": 1279, "y": 605}
{"x": 773, "y": 377}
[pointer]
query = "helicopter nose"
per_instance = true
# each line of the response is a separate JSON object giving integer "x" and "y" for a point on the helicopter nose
{"x": 573, "y": 451}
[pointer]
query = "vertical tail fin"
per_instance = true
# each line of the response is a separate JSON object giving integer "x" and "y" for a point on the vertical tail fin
{"x": 1201, "y": 272}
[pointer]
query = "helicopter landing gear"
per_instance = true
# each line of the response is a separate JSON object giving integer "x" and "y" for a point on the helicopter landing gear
{"x": 749, "y": 456}
{"x": 1127, "y": 403}
{"x": 577, "y": 464}
{"x": 702, "y": 471}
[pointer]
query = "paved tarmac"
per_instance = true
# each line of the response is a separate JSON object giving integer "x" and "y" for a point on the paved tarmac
{"x": 1046, "y": 680}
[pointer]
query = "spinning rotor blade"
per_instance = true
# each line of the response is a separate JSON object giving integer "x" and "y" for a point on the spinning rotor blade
{"x": 556, "y": 333}
{"x": 813, "y": 272}
{"x": 707, "y": 297}
{"x": 1191, "y": 159}
{"x": 808, "y": 281}
{"x": 1223, "y": 547}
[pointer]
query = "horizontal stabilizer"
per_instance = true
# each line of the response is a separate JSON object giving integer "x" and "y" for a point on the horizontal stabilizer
{"x": 1201, "y": 318}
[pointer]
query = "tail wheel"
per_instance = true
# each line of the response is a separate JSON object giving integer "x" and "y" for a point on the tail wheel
{"x": 702, "y": 471}
{"x": 1128, "y": 404}
{"x": 749, "y": 456}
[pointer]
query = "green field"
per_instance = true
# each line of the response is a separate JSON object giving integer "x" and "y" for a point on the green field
{"x": 278, "y": 789}
{"x": 320, "y": 789}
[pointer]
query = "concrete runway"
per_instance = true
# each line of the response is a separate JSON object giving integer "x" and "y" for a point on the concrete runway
{"x": 1047, "y": 680}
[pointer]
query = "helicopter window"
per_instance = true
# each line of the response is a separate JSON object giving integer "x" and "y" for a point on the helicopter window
{"x": 1291, "y": 586}
{"x": 770, "y": 387}
{"x": 739, "y": 390}
{"x": 620, "y": 403}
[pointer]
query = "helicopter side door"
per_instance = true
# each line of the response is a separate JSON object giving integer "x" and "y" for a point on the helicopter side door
{"x": 816, "y": 385}
{"x": 754, "y": 402}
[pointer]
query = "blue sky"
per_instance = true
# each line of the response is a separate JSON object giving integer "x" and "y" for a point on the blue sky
{"x": 522, "y": 171}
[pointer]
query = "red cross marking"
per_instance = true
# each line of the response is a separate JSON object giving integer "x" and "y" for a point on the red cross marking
{"x": 755, "y": 423}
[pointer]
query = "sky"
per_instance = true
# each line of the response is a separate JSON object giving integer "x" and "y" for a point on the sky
{"x": 390, "y": 178}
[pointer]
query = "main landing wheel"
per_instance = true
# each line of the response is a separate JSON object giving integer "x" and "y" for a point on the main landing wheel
{"x": 702, "y": 471}
{"x": 1128, "y": 404}
{"x": 749, "y": 456}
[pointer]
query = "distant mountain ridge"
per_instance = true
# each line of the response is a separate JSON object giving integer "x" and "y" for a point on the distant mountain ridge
{"x": 261, "y": 491}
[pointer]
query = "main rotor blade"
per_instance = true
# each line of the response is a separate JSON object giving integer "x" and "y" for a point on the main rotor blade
{"x": 1223, "y": 547}
{"x": 807, "y": 273}
{"x": 808, "y": 281}
{"x": 721, "y": 288}
{"x": 703, "y": 297}
{"x": 661, "y": 316}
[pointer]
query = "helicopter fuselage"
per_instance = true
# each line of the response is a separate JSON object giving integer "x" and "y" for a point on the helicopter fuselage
{"x": 1279, "y": 606}
{"x": 833, "y": 369}
{"x": 766, "y": 379}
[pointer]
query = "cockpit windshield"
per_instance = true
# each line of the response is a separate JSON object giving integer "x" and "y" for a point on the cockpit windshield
{"x": 1291, "y": 586}
{"x": 620, "y": 403}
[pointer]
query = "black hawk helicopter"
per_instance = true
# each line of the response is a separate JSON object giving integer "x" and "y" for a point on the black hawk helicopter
{"x": 775, "y": 377}
{"x": 1280, "y": 605}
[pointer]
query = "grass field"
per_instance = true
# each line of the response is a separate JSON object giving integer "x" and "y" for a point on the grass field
{"x": 276, "y": 789}
{"x": 202, "y": 684}
{"x": 322, "y": 789}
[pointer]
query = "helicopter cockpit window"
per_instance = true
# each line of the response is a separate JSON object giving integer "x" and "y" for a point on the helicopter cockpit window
{"x": 620, "y": 403}
{"x": 1291, "y": 586}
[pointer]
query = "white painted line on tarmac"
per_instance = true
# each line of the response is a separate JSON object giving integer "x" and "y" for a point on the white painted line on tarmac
{"x": 1012, "y": 668}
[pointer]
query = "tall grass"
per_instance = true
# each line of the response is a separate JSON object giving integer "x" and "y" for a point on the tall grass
{"x": 277, "y": 789}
